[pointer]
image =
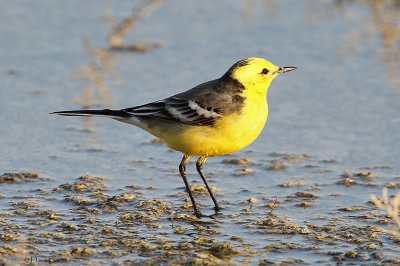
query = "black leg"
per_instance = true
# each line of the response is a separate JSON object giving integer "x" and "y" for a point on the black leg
{"x": 182, "y": 171}
{"x": 199, "y": 165}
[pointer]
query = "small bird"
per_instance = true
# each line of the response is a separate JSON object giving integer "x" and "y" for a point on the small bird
{"x": 214, "y": 118}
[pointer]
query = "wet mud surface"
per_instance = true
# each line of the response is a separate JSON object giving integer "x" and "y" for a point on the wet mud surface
{"x": 302, "y": 193}
{"x": 304, "y": 221}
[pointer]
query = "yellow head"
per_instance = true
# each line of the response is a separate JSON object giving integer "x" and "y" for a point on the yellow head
{"x": 256, "y": 73}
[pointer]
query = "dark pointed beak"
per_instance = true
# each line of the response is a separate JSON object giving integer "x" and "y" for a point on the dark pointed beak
{"x": 285, "y": 69}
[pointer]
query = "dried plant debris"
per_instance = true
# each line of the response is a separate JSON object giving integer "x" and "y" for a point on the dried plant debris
{"x": 292, "y": 158}
{"x": 330, "y": 161}
{"x": 94, "y": 78}
{"x": 86, "y": 183}
{"x": 366, "y": 175}
{"x": 296, "y": 183}
{"x": 304, "y": 205}
{"x": 251, "y": 201}
{"x": 306, "y": 195}
{"x": 391, "y": 207}
{"x": 244, "y": 172}
{"x": 353, "y": 208}
{"x": 121, "y": 28}
{"x": 199, "y": 189}
{"x": 277, "y": 166}
{"x": 134, "y": 47}
{"x": 19, "y": 177}
{"x": 288, "y": 159}
{"x": 392, "y": 185}
{"x": 130, "y": 225}
{"x": 223, "y": 250}
{"x": 241, "y": 161}
{"x": 347, "y": 182}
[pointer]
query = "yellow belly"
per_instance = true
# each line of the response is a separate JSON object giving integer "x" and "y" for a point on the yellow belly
{"x": 228, "y": 135}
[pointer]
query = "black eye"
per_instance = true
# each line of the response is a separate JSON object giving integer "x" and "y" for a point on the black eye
{"x": 264, "y": 71}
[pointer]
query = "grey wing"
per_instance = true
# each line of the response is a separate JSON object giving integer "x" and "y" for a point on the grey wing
{"x": 201, "y": 105}
{"x": 199, "y": 110}
{"x": 176, "y": 110}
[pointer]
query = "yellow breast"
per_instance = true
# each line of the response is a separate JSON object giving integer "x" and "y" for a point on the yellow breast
{"x": 230, "y": 134}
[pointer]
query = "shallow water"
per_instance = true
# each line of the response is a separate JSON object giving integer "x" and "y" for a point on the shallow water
{"x": 333, "y": 127}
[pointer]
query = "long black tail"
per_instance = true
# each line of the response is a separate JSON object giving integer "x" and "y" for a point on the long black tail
{"x": 104, "y": 112}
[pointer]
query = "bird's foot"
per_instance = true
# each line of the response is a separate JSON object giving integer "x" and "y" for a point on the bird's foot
{"x": 197, "y": 213}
